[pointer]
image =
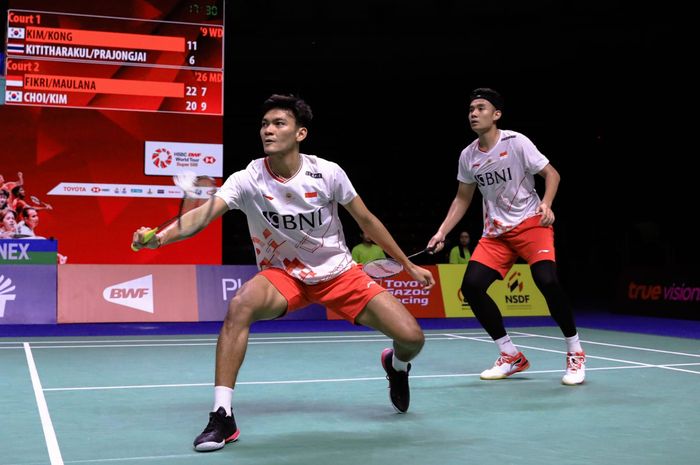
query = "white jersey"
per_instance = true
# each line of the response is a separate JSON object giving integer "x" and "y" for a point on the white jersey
{"x": 505, "y": 175}
{"x": 294, "y": 223}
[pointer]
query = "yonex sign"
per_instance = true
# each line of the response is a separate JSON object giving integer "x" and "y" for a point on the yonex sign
{"x": 27, "y": 251}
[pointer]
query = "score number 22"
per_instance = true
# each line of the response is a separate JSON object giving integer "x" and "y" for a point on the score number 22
{"x": 193, "y": 91}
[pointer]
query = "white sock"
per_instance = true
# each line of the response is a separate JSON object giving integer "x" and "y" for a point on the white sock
{"x": 222, "y": 398}
{"x": 398, "y": 364}
{"x": 573, "y": 344}
{"x": 506, "y": 346}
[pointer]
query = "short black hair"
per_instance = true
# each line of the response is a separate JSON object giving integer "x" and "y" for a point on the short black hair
{"x": 298, "y": 107}
{"x": 489, "y": 94}
{"x": 25, "y": 211}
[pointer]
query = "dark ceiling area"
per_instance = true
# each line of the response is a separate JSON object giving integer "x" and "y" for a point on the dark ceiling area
{"x": 598, "y": 86}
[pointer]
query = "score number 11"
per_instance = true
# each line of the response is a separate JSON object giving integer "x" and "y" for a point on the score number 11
{"x": 192, "y": 47}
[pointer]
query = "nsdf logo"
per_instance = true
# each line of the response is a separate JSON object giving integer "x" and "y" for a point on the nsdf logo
{"x": 515, "y": 293}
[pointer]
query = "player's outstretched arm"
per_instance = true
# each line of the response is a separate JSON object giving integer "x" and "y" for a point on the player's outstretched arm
{"x": 189, "y": 224}
{"x": 459, "y": 206}
{"x": 371, "y": 224}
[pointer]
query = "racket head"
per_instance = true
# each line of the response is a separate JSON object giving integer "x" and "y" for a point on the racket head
{"x": 35, "y": 200}
{"x": 382, "y": 268}
{"x": 195, "y": 194}
{"x": 196, "y": 191}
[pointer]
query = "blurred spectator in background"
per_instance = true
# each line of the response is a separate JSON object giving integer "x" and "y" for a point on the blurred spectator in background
{"x": 8, "y": 224}
{"x": 366, "y": 250}
{"x": 9, "y": 185}
{"x": 460, "y": 253}
{"x": 19, "y": 203}
{"x": 4, "y": 200}
{"x": 30, "y": 220}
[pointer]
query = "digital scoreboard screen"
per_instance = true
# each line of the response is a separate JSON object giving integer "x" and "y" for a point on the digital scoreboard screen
{"x": 103, "y": 103}
{"x": 116, "y": 63}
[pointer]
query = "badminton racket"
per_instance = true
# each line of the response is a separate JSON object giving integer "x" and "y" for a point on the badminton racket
{"x": 35, "y": 200}
{"x": 196, "y": 190}
{"x": 387, "y": 267}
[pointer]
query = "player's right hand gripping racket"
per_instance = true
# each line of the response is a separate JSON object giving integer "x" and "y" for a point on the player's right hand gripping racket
{"x": 196, "y": 190}
{"x": 387, "y": 267}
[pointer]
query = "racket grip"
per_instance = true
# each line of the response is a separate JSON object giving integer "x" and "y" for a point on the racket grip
{"x": 146, "y": 237}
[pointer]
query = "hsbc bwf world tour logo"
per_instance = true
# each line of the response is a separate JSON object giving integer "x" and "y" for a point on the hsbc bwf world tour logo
{"x": 162, "y": 158}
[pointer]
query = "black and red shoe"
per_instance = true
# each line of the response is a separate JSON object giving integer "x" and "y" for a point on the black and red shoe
{"x": 399, "y": 392}
{"x": 220, "y": 430}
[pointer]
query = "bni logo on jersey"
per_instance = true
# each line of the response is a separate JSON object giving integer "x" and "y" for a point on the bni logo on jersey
{"x": 13, "y": 96}
{"x": 6, "y": 287}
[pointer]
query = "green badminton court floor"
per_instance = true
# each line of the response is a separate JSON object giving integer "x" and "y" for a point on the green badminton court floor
{"x": 321, "y": 398}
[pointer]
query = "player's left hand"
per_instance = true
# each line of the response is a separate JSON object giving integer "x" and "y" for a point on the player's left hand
{"x": 546, "y": 214}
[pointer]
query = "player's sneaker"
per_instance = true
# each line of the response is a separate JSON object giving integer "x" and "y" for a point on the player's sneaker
{"x": 220, "y": 430}
{"x": 575, "y": 368}
{"x": 505, "y": 366}
{"x": 399, "y": 393}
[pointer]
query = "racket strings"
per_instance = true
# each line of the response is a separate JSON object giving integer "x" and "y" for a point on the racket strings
{"x": 382, "y": 268}
{"x": 386, "y": 267}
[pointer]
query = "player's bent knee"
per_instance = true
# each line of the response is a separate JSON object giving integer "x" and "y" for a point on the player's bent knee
{"x": 418, "y": 338}
{"x": 413, "y": 338}
{"x": 239, "y": 312}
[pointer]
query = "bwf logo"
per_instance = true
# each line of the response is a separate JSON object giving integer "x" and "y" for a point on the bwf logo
{"x": 137, "y": 293}
{"x": 6, "y": 287}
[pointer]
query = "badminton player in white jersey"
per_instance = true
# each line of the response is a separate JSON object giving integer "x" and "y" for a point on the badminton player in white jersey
{"x": 502, "y": 164}
{"x": 291, "y": 202}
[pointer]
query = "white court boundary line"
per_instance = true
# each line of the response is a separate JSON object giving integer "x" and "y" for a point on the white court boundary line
{"x": 121, "y": 459}
{"x": 46, "y": 424}
{"x": 669, "y": 366}
{"x": 344, "y": 380}
{"x": 478, "y": 336}
{"x": 208, "y": 339}
{"x": 213, "y": 339}
{"x": 252, "y": 341}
